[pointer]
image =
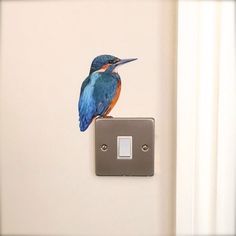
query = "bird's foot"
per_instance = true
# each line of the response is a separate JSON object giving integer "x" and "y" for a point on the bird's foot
{"x": 107, "y": 117}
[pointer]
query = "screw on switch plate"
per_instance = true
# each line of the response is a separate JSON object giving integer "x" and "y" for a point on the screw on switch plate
{"x": 124, "y": 146}
{"x": 145, "y": 148}
{"x": 104, "y": 147}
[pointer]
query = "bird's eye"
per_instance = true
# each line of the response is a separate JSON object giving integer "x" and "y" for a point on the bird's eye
{"x": 110, "y": 61}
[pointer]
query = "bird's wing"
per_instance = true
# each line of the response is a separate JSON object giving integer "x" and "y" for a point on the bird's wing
{"x": 86, "y": 81}
{"x": 97, "y": 93}
{"x": 86, "y": 106}
{"x": 104, "y": 92}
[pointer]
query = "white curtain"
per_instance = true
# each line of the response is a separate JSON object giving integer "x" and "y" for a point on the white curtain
{"x": 206, "y": 118}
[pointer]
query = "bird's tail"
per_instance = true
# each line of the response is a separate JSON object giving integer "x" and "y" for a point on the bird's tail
{"x": 85, "y": 119}
{"x": 86, "y": 112}
{"x": 84, "y": 124}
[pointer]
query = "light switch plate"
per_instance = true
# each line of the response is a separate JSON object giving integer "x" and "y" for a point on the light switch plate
{"x": 109, "y": 130}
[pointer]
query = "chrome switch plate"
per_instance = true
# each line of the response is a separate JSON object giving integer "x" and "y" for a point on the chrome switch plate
{"x": 140, "y": 159}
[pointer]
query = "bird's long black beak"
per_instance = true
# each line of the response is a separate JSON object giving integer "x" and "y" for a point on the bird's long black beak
{"x": 123, "y": 61}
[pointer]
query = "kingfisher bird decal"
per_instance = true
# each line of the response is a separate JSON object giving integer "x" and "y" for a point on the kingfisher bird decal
{"x": 100, "y": 90}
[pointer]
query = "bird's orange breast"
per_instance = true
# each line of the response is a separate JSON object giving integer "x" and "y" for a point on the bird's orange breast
{"x": 114, "y": 100}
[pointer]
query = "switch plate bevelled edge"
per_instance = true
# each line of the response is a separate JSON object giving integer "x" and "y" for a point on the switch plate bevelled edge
{"x": 141, "y": 130}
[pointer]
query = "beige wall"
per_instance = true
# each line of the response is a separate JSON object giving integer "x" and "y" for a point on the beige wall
{"x": 48, "y": 184}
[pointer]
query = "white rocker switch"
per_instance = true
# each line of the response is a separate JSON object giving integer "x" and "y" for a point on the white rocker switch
{"x": 124, "y": 147}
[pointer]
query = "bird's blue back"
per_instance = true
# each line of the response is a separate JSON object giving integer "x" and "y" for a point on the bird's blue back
{"x": 97, "y": 93}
